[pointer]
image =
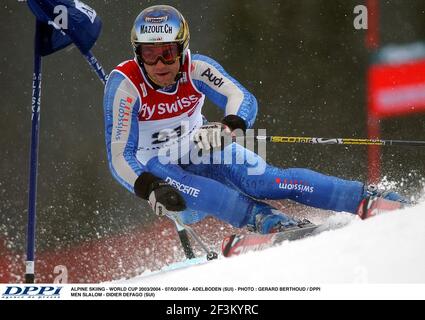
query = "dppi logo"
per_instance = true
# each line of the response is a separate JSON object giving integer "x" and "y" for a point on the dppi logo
{"x": 294, "y": 185}
{"x": 31, "y": 292}
{"x": 212, "y": 78}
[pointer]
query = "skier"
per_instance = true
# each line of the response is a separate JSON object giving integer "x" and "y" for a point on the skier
{"x": 155, "y": 100}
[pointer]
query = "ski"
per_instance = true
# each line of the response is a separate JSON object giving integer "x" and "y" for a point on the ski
{"x": 176, "y": 266}
{"x": 376, "y": 206}
{"x": 236, "y": 244}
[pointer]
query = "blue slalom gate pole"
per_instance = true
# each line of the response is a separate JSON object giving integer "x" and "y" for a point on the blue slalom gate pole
{"x": 35, "y": 121}
{"x": 83, "y": 28}
{"x": 96, "y": 66}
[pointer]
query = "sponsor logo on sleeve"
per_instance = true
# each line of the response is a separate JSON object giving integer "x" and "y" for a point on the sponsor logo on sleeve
{"x": 218, "y": 82}
{"x": 297, "y": 185}
{"x": 124, "y": 113}
{"x": 191, "y": 191}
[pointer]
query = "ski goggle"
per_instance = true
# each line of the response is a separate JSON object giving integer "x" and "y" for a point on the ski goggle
{"x": 168, "y": 53}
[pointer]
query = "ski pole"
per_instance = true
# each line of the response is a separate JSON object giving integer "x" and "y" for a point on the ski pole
{"x": 345, "y": 141}
{"x": 211, "y": 255}
{"x": 184, "y": 240}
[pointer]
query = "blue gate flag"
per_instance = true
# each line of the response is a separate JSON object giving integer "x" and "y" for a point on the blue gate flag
{"x": 83, "y": 25}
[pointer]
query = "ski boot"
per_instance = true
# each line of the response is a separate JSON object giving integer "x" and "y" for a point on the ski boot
{"x": 273, "y": 223}
{"x": 376, "y": 201}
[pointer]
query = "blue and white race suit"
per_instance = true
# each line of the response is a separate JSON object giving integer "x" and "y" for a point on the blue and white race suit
{"x": 136, "y": 113}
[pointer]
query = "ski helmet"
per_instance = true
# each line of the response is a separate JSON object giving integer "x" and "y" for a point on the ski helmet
{"x": 160, "y": 24}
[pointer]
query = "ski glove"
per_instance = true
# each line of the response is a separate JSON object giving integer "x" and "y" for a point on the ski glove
{"x": 209, "y": 136}
{"x": 164, "y": 198}
{"x": 161, "y": 196}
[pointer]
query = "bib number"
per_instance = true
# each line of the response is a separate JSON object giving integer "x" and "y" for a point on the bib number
{"x": 166, "y": 135}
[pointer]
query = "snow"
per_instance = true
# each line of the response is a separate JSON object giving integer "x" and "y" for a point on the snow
{"x": 387, "y": 249}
